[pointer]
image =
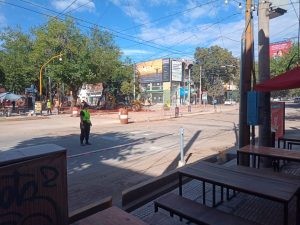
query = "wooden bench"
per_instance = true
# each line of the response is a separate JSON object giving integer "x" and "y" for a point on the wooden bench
{"x": 90, "y": 209}
{"x": 196, "y": 212}
{"x": 275, "y": 154}
{"x": 290, "y": 144}
{"x": 160, "y": 218}
{"x": 149, "y": 190}
{"x": 111, "y": 216}
{"x": 285, "y": 139}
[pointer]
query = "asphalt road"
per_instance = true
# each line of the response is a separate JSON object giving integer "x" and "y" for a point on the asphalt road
{"x": 124, "y": 155}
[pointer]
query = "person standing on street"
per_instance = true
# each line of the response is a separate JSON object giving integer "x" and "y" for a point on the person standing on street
{"x": 49, "y": 107}
{"x": 85, "y": 125}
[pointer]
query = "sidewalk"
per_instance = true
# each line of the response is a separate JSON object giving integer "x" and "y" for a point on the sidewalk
{"x": 153, "y": 113}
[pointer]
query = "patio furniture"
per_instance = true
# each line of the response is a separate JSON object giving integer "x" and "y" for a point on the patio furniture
{"x": 111, "y": 216}
{"x": 290, "y": 144}
{"x": 196, "y": 212}
{"x": 274, "y": 153}
{"x": 286, "y": 139}
{"x": 90, "y": 209}
{"x": 260, "y": 186}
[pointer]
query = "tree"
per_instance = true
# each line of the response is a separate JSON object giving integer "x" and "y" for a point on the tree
{"x": 16, "y": 70}
{"x": 216, "y": 90}
{"x": 219, "y": 66}
{"x": 282, "y": 64}
{"x": 216, "y": 61}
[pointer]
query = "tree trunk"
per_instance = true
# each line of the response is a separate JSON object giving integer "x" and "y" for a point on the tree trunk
{"x": 74, "y": 96}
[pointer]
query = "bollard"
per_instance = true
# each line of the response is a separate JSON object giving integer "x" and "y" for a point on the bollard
{"x": 124, "y": 116}
{"x": 176, "y": 112}
{"x": 181, "y": 136}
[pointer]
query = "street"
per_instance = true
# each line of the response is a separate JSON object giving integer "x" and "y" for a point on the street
{"x": 122, "y": 156}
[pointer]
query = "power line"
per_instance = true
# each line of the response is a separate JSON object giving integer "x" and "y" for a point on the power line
{"x": 72, "y": 3}
{"x": 168, "y": 16}
{"x": 111, "y": 30}
{"x": 80, "y": 6}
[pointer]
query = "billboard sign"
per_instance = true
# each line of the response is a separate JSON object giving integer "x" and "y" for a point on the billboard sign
{"x": 166, "y": 70}
{"x": 278, "y": 118}
{"x": 149, "y": 72}
{"x": 177, "y": 70}
{"x": 279, "y": 49}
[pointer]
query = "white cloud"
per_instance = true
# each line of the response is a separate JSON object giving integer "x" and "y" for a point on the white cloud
{"x": 78, "y": 5}
{"x": 132, "y": 9}
{"x": 135, "y": 52}
{"x": 200, "y": 10}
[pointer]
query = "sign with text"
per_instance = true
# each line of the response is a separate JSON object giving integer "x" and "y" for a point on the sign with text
{"x": 278, "y": 118}
{"x": 149, "y": 72}
{"x": 38, "y": 107}
{"x": 166, "y": 70}
{"x": 280, "y": 48}
{"x": 177, "y": 70}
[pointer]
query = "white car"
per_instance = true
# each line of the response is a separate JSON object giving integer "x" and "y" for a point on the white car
{"x": 229, "y": 102}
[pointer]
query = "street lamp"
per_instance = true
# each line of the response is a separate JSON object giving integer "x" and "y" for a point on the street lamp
{"x": 43, "y": 66}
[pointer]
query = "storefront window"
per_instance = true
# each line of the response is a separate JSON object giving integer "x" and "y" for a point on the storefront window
{"x": 157, "y": 86}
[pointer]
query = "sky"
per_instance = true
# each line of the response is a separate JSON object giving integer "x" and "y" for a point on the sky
{"x": 151, "y": 29}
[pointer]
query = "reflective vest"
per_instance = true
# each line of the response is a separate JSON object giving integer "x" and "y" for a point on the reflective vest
{"x": 48, "y": 104}
{"x": 86, "y": 116}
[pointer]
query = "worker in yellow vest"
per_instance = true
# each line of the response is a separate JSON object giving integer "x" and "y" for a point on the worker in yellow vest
{"x": 49, "y": 106}
{"x": 85, "y": 125}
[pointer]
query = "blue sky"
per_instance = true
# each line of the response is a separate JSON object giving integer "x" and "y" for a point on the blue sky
{"x": 151, "y": 29}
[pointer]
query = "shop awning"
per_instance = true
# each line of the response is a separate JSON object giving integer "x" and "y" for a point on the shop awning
{"x": 287, "y": 80}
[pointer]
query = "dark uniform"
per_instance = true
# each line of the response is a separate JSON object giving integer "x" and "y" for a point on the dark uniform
{"x": 85, "y": 126}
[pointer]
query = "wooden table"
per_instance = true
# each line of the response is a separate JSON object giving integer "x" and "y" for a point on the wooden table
{"x": 111, "y": 216}
{"x": 262, "y": 186}
{"x": 274, "y": 153}
{"x": 284, "y": 139}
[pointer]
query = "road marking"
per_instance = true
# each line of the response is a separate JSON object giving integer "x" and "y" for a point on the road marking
{"x": 104, "y": 149}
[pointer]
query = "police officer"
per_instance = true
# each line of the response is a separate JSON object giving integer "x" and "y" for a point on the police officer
{"x": 49, "y": 107}
{"x": 85, "y": 125}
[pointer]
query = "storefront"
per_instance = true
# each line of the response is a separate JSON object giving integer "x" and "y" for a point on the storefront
{"x": 160, "y": 80}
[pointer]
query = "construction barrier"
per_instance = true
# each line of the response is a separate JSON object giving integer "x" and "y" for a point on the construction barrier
{"x": 123, "y": 116}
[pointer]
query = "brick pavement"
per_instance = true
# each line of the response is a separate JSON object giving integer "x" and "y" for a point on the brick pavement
{"x": 259, "y": 210}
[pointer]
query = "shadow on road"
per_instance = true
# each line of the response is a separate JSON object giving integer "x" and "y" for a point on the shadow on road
{"x": 94, "y": 172}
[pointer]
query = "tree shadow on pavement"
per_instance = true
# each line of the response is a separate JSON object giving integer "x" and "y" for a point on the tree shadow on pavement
{"x": 174, "y": 163}
{"x": 95, "y": 172}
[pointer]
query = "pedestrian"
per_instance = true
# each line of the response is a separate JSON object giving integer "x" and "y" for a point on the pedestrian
{"x": 85, "y": 125}
{"x": 56, "y": 105}
{"x": 215, "y": 104}
{"x": 49, "y": 105}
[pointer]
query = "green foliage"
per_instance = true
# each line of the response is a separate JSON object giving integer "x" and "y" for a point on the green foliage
{"x": 16, "y": 70}
{"x": 215, "y": 62}
{"x": 282, "y": 64}
{"x": 216, "y": 89}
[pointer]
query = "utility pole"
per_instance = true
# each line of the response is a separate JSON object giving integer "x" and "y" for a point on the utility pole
{"x": 189, "y": 93}
{"x": 200, "y": 85}
{"x": 133, "y": 81}
{"x": 264, "y": 74}
{"x": 245, "y": 81}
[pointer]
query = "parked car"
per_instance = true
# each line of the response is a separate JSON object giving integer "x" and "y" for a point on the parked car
{"x": 297, "y": 100}
{"x": 229, "y": 102}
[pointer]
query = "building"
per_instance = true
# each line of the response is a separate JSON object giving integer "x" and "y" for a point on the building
{"x": 164, "y": 81}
